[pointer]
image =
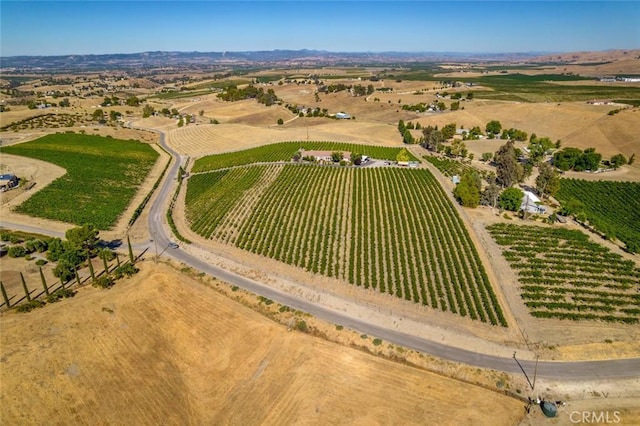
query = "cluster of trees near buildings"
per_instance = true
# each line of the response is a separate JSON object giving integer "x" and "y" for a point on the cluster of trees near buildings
{"x": 233, "y": 93}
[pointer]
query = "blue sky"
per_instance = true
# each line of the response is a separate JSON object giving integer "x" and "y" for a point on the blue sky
{"x": 96, "y": 27}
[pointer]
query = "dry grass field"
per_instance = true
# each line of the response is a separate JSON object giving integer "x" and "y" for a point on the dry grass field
{"x": 211, "y": 138}
{"x": 576, "y": 124}
{"x": 161, "y": 348}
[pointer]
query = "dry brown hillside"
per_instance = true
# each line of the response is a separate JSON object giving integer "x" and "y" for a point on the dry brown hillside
{"x": 161, "y": 348}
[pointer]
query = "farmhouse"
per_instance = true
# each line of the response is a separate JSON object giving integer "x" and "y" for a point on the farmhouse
{"x": 8, "y": 181}
{"x": 324, "y": 156}
{"x": 530, "y": 203}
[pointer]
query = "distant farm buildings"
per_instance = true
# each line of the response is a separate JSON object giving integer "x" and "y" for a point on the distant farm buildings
{"x": 600, "y": 102}
{"x": 324, "y": 156}
{"x": 342, "y": 116}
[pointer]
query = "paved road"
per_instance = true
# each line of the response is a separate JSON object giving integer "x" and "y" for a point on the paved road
{"x": 566, "y": 371}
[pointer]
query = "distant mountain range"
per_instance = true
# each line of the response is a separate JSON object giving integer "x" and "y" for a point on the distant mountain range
{"x": 159, "y": 59}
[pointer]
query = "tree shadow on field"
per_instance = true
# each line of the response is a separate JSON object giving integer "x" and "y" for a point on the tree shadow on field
{"x": 112, "y": 245}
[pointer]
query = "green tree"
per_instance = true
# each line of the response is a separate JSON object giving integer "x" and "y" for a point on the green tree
{"x": 449, "y": 130}
{"x": 432, "y": 138}
{"x": 64, "y": 103}
{"x": 336, "y": 156}
{"x": 56, "y": 249}
{"x": 455, "y": 106}
{"x": 403, "y": 155}
{"x": 538, "y": 147}
{"x": 589, "y": 160}
{"x": 490, "y": 195}
{"x": 98, "y": 115}
{"x": 511, "y": 199}
{"x": 508, "y": 171}
{"x": 548, "y": 180}
{"x": 148, "y": 111}
{"x": 486, "y": 156}
{"x": 493, "y": 128}
{"x": 407, "y": 137}
{"x": 618, "y": 160}
{"x": 64, "y": 270}
{"x": 467, "y": 192}
{"x": 566, "y": 158}
{"x": 458, "y": 149}
{"x": 83, "y": 239}
{"x": 133, "y": 101}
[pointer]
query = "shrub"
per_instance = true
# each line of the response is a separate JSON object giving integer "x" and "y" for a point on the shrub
{"x": 301, "y": 325}
{"x": 17, "y": 251}
{"x": 29, "y": 306}
{"x": 511, "y": 199}
{"x": 41, "y": 262}
{"x": 15, "y": 239}
{"x": 105, "y": 281}
{"x": 63, "y": 293}
{"x": 377, "y": 342}
{"x": 36, "y": 245}
{"x": 125, "y": 270}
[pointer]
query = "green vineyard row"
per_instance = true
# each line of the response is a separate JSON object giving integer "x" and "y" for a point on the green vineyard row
{"x": 284, "y": 151}
{"x": 565, "y": 275}
{"x": 388, "y": 229}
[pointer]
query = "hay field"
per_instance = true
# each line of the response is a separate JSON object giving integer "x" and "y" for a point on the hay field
{"x": 162, "y": 349}
{"x": 215, "y": 138}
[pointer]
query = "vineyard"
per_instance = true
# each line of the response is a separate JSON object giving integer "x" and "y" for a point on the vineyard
{"x": 613, "y": 208}
{"x": 564, "y": 275}
{"x": 284, "y": 151}
{"x": 447, "y": 166}
{"x": 389, "y": 229}
{"x": 450, "y": 167}
{"x": 103, "y": 175}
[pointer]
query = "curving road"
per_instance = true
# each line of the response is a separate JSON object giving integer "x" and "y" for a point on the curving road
{"x": 565, "y": 371}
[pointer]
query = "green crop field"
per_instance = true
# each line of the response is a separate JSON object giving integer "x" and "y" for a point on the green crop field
{"x": 564, "y": 275}
{"x": 284, "y": 151}
{"x": 613, "y": 208}
{"x": 103, "y": 175}
{"x": 388, "y": 229}
{"x": 547, "y": 88}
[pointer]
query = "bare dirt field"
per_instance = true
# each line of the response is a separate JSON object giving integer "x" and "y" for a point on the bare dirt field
{"x": 162, "y": 348}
